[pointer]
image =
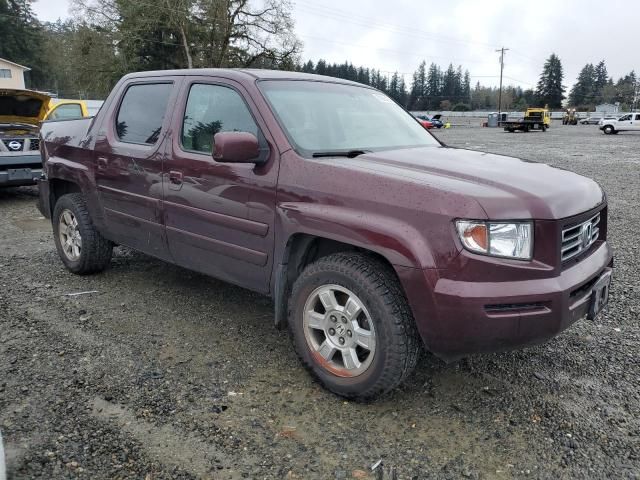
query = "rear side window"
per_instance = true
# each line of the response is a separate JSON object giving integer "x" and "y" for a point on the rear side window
{"x": 212, "y": 109}
{"x": 142, "y": 112}
{"x": 71, "y": 110}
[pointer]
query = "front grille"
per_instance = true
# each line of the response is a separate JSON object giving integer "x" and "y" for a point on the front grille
{"x": 34, "y": 144}
{"x": 14, "y": 144}
{"x": 578, "y": 238}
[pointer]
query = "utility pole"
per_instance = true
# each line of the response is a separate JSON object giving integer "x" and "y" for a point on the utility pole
{"x": 636, "y": 94}
{"x": 502, "y": 50}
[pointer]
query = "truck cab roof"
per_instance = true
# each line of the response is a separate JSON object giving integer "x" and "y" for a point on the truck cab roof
{"x": 242, "y": 75}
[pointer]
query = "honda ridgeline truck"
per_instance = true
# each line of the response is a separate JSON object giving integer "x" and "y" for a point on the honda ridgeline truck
{"x": 371, "y": 236}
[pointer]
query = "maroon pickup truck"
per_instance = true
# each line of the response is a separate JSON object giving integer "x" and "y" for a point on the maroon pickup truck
{"x": 369, "y": 234}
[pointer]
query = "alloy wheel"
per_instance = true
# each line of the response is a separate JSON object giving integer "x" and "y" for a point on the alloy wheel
{"x": 69, "y": 232}
{"x": 339, "y": 331}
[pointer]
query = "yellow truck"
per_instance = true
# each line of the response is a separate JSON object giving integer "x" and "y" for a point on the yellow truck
{"x": 21, "y": 113}
{"x": 534, "y": 119}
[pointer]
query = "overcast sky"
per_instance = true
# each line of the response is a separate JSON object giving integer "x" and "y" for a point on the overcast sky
{"x": 396, "y": 35}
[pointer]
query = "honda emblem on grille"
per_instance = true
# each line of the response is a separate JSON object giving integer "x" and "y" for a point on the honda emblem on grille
{"x": 13, "y": 145}
{"x": 587, "y": 231}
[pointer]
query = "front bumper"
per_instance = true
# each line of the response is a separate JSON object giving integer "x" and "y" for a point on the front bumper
{"x": 457, "y": 318}
{"x": 20, "y": 169}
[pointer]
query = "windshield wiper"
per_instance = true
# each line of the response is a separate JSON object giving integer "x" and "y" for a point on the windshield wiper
{"x": 340, "y": 153}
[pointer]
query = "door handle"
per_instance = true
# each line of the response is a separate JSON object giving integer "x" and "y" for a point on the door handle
{"x": 175, "y": 177}
{"x": 175, "y": 180}
{"x": 102, "y": 163}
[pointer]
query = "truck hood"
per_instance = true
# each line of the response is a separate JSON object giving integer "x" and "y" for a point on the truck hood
{"x": 505, "y": 187}
{"x": 23, "y": 106}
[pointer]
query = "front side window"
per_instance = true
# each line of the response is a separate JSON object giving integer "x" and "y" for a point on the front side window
{"x": 142, "y": 112}
{"x": 624, "y": 118}
{"x": 326, "y": 117}
{"x": 212, "y": 109}
{"x": 71, "y": 110}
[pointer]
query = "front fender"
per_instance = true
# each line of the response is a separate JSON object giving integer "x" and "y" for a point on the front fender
{"x": 400, "y": 243}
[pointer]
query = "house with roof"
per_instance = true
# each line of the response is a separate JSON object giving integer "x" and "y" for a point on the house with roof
{"x": 12, "y": 74}
{"x": 608, "y": 108}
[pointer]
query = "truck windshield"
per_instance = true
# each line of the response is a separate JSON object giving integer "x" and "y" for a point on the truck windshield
{"x": 321, "y": 117}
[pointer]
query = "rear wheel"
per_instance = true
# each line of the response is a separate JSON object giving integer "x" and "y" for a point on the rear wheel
{"x": 81, "y": 247}
{"x": 351, "y": 325}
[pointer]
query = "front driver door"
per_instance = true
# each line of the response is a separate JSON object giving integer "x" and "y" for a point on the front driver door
{"x": 625, "y": 122}
{"x": 219, "y": 216}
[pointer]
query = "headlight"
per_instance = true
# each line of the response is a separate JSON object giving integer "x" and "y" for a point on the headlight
{"x": 498, "y": 239}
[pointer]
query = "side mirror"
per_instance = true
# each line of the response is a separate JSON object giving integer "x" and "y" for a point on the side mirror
{"x": 235, "y": 147}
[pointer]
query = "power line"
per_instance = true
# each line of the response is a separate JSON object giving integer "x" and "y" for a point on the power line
{"x": 349, "y": 17}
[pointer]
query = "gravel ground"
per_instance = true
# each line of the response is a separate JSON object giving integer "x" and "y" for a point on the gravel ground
{"x": 163, "y": 373}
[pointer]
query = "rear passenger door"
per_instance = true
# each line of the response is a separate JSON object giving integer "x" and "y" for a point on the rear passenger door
{"x": 635, "y": 123}
{"x": 128, "y": 159}
{"x": 219, "y": 216}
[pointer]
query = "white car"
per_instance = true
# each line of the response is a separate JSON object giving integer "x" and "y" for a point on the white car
{"x": 628, "y": 122}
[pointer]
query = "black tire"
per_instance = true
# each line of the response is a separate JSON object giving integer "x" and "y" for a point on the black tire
{"x": 95, "y": 253}
{"x": 544, "y": 128}
{"x": 376, "y": 285}
{"x": 608, "y": 130}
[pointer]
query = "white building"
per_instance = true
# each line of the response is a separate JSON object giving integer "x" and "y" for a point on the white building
{"x": 607, "y": 108}
{"x": 12, "y": 75}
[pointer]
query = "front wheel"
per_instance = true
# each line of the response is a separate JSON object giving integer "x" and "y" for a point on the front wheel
{"x": 351, "y": 325}
{"x": 81, "y": 247}
{"x": 609, "y": 130}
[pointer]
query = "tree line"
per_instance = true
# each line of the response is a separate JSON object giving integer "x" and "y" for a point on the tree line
{"x": 106, "y": 39}
{"x": 86, "y": 55}
{"x": 430, "y": 89}
{"x": 594, "y": 86}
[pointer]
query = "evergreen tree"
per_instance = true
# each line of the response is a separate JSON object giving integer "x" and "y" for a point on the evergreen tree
{"x": 21, "y": 38}
{"x": 418, "y": 88}
{"x": 433, "y": 86}
{"x": 403, "y": 95}
{"x": 449, "y": 83}
{"x": 550, "y": 90}
{"x": 466, "y": 86}
{"x": 601, "y": 77}
{"x": 308, "y": 67}
{"x": 582, "y": 93}
{"x": 394, "y": 83}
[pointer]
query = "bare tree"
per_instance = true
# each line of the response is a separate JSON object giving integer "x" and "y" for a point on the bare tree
{"x": 198, "y": 33}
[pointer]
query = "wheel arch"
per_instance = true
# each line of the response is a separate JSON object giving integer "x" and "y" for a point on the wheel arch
{"x": 64, "y": 176}
{"x": 59, "y": 187}
{"x": 302, "y": 249}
